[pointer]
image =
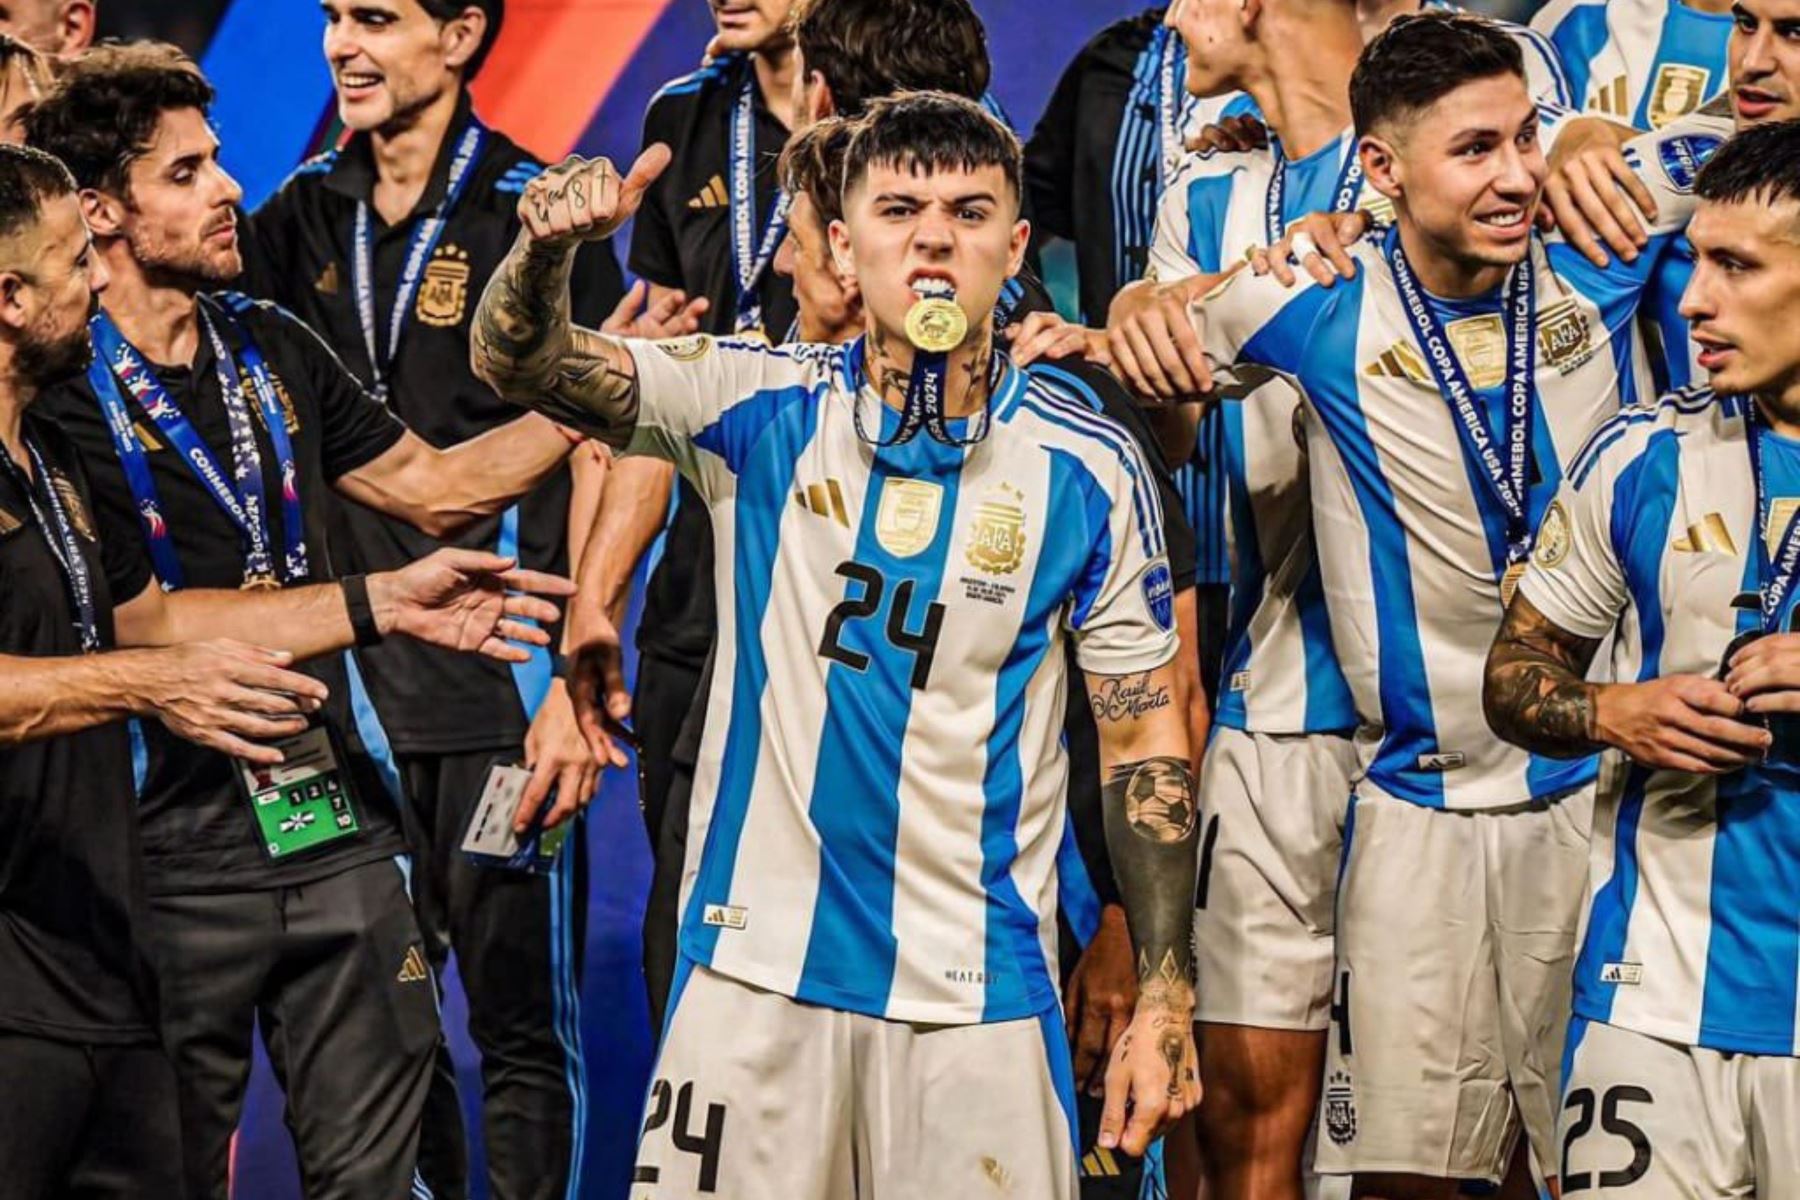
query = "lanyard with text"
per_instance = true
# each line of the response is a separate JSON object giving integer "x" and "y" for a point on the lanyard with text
{"x": 1508, "y": 478}
{"x": 59, "y": 533}
{"x": 1349, "y": 187}
{"x": 424, "y": 241}
{"x": 924, "y": 403}
{"x": 750, "y": 259}
{"x": 118, "y": 369}
{"x": 1774, "y": 576}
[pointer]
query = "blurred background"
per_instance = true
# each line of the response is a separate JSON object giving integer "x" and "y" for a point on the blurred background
{"x": 565, "y": 75}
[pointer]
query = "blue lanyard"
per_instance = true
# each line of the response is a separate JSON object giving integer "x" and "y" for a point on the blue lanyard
{"x": 59, "y": 534}
{"x": 424, "y": 241}
{"x": 118, "y": 369}
{"x": 750, "y": 259}
{"x": 1509, "y": 478}
{"x": 1774, "y": 577}
{"x": 1150, "y": 146}
{"x": 1343, "y": 199}
{"x": 924, "y": 404}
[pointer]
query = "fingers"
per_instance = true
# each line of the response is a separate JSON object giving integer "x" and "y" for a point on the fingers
{"x": 1149, "y": 362}
{"x": 538, "y": 583}
{"x": 1335, "y": 238}
{"x": 1573, "y": 224}
{"x": 573, "y": 786}
{"x": 1090, "y": 1047}
{"x": 470, "y": 562}
{"x": 236, "y": 747}
{"x": 1710, "y": 696}
{"x": 537, "y": 790}
{"x": 1112, "y": 1111}
{"x": 530, "y": 608}
{"x": 651, "y": 163}
{"x": 1148, "y": 1109}
{"x": 301, "y": 688}
{"x": 245, "y": 723}
{"x": 1593, "y": 198}
{"x": 1711, "y": 757}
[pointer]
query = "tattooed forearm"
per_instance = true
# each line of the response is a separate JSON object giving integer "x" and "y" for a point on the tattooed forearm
{"x": 1534, "y": 694}
{"x": 1151, "y": 824}
{"x": 1128, "y": 697}
{"x": 523, "y": 344}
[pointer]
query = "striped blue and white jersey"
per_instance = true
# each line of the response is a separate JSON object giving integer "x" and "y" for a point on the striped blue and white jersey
{"x": 1409, "y": 540}
{"x": 1642, "y": 62}
{"x": 1246, "y": 481}
{"x": 1693, "y": 932}
{"x": 880, "y": 793}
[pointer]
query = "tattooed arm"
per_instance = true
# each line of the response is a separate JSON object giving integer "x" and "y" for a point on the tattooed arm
{"x": 1535, "y": 696}
{"x": 522, "y": 342}
{"x": 1151, "y": 826}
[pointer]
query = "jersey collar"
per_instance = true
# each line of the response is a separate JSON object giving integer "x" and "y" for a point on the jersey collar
{"x": 352, "y": 174}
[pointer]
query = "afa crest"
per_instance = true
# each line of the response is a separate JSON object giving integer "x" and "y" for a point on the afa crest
{"x": 444, "y": 293}
{"x": 1340, "y": 1109}
{"x": 997, "y": 538}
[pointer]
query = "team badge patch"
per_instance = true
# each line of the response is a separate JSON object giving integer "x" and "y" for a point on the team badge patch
{"x": 1552, "y": 544}
{"x": 72, "y": 503}
{"x": 908, "y": 517}
{"x": 1340, "y": 1109}
{"x": 1565, "y": 335}
{"x": 1679, "y": 90}
{"x": 997, "y": 538}
{"x": 444, "y": 294}
{"x": 685, "y": 349}
{"x": 1682, "y": 158}
{"x": 1480, "y": 342}
{"x": 1781, "y": 513}
{"x": 1159, "y": 595}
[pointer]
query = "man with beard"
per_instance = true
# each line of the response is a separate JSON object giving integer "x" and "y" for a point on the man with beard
{"x": 90, "y": 1104}
{"x": 221, "y": 426}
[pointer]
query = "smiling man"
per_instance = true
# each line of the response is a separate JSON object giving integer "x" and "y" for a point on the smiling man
{"x": 1674, "y": 540}
{"x": 867, "y": 994}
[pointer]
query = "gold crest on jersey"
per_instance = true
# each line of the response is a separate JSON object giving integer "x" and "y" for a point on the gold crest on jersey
{"x": 1565, "y": 336}
{"x": 997, "y": 538}
{"x": 444, "y": 294}
{"x": 685, "y": 349}
{"x": 1480, "y": 344}
{"x": 1678, "y": 91}
{"x": 1553, "y": 541}
{"x": 74, "y": 506}
{"x": 1781, "y": 512}
{"x": 908, "y": 517}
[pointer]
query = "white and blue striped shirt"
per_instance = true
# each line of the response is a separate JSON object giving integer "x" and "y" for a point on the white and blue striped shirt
{"x": 1410, "y": 542}
{"x": 1643, "y": 62}
{"x": 880, "y": 793}
{"x": 1693, "y": 932}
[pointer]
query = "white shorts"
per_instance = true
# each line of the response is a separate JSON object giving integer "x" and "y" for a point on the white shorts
{"x": 1455, "y": 952}
{"x": 1272, "y": 810}
{"x": 759, "y": 1097}
{"x": 1654, "y": 1120}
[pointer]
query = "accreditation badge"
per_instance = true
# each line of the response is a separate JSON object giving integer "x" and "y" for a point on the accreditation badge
{"x": 490, "y": 840}
{"x": 305, "y": 802}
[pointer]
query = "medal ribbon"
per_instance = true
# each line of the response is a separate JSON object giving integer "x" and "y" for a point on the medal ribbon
{"x": 1343, "y": 199}
{"x": 424, "y": 242}
{"x": 749, "y": 259}
{"x": 59, "y": 533}
{"x": 1509, "y": 478}
{"x": 1774, "y": 577}
{"x": 924, "y": 404}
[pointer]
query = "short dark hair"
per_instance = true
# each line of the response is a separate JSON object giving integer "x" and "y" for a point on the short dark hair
{"x": 812, "y": 162}
{"x": 28, "y": 178}
{"x": 1423, "y": 57}
{"x": 927, "y": 132}
{"x": 1761, "y": 165}
{"x": 866, "y": 49}
{"x": 106, "y": 105}
{"x": 447, "y": 10}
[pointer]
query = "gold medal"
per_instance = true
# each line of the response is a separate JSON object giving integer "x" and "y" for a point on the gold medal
{"x": 936, "y": 324}
{"x": 1509, "y": 582}
{"x": 261, "y": 583}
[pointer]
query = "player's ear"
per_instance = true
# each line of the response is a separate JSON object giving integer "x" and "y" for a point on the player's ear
{"x": 104, "y": 213}
{"x": 462, "y": 35}
{"x": 1248, "y": 12}
{"x": 820, "y": 103}
{"x": 1381, "y": 166}
{"x": 1015, "y": 255}
{"x": 842, "y": 257}
{"x": 15, "y": 314}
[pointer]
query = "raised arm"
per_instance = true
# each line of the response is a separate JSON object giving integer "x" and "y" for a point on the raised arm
{"x": 522, "y": 342}
{"x": 1147, "y": 787}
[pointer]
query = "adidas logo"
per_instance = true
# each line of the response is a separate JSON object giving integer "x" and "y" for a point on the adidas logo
{"x": 327, "y": 283}
{"x": 824, "y": 499}
{"x": 1399, "y": 361}
{"x": 413, "y": 969}
{"x": 1099, "y": 1163}
{"x": 713, "y": 195}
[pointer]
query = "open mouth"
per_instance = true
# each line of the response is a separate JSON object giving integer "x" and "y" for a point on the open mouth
{"x": 932, "y": 283}
{"x": 1754, "y": 104}
{"x": 1511, "y": 218}
{"x": 357, "y": 81}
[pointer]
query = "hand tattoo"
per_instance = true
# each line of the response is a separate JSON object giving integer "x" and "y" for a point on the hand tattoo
{"x": 1535, "y": 693}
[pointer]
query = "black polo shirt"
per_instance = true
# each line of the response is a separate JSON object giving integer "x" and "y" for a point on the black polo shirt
{"x": 298, "y": 251}
{"x": 1069, "y": 160}
{"x": 199, "y": 834}
{"x": 681, "y": 238}
{"x": 71, "y": 890}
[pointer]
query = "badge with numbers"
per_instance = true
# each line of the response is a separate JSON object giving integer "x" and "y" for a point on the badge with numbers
{"x": 304, "y": 802}
{"x": 489, "y": 840}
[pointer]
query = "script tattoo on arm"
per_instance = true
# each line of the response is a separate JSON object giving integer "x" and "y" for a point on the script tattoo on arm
{"x": 1535, "y": 694}
{"x": 523, "y": 344}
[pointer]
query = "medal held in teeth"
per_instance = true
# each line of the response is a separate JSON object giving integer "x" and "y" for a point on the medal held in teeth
{"x": 936, "y": 323}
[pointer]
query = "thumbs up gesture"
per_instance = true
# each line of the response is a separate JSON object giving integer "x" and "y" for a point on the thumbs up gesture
{"x": 586, "y": 199}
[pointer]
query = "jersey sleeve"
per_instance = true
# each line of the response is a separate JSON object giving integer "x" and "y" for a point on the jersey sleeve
{"x": 1576, "y": 577}
{"x": 1170, "y": 255}
{"x": 1255, "y": 318}
{"x": 1122, "y": 613}
{"x": 1669, "y": 160}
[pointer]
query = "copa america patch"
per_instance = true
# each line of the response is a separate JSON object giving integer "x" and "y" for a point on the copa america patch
{"x": 1159, "y": 594}
{"x": 1682, "y": 158}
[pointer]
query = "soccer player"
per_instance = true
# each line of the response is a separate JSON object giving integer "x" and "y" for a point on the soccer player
{"x": 1643, "y": 62}
{"x": 233, "y": 486}
{"x": 60, "y": 28}
{"x": 382, "y": 246}
{"x": 1674, "y": 534}
{"x": 867, "y": 990}
{"x": 1447, "y": 382}
{"x": 90, "y": 1107}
